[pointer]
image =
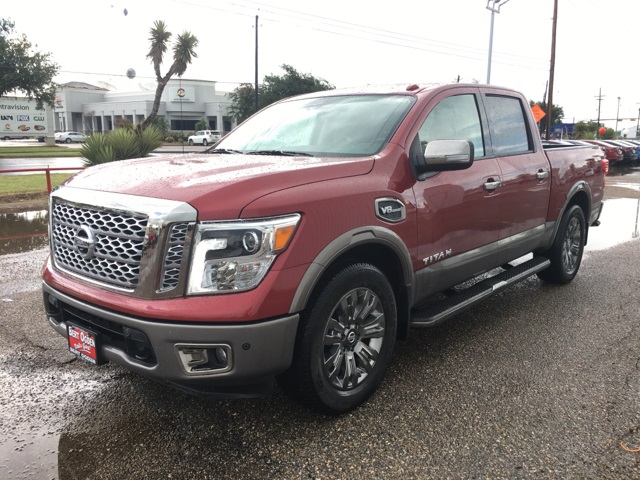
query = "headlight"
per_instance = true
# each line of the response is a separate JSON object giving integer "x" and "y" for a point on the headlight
{"x": 235, "y": 256}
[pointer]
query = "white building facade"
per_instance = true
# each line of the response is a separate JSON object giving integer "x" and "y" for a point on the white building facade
{"x": 88, "y": 108}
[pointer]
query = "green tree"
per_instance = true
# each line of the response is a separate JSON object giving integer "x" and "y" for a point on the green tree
{"x": 23, "y": 69}
{"x": 202, "y": 124}
{"x": 243, "y": 102}
{"x": 273, "y": 88}
{"x": 585, "y": 130}
{"x": 609, "y": 134}
{"x": 162, "y": 124}
{"x": 557, "y": 114}
{"x": 183, "y": 53}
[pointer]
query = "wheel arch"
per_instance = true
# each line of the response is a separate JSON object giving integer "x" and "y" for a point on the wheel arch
{"x": 377, "y": 246}
{"x": 579, "y": 194}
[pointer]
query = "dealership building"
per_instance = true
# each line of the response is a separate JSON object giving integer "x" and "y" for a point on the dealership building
{"x": 87, "y": 108}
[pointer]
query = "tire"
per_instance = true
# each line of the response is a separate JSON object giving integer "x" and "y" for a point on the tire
{"x": 568, "y": 246}
{"x": 340, "y": 358}
{"x": 191, "y": 142}
{"x": 205, "y": 143}
{"x": 68, "y": 140}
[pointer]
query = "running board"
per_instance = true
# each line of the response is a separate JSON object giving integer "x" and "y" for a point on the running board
{"x": 442, "y": 310}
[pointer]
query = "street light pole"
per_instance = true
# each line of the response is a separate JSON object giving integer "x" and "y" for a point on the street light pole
{"x": 617, "y": 115}
{"x": 494, "y": 7}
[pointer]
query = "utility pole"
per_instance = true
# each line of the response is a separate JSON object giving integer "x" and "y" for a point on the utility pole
{"x": 617, "y": 115}
{"x": 599, "y": 97}
{"x": 552, "y": 69}
{"x": 256, "y": 83}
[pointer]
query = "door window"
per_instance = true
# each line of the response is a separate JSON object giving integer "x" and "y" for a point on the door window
{"x": 454, "y": 118}
{"x": 508, "y": 126}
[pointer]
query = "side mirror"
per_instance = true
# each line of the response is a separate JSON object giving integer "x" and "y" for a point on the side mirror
{"x": 445, "y": 155}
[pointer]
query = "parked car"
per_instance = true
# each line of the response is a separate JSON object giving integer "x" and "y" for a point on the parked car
{"x": 70, "y": 137}
{"x": 629, "y": 150}
{"x": 204, "y": 137}
{"x": 635, "y": 143}
{"x": 13, "y": 137}
{"x": 613, "y": 153}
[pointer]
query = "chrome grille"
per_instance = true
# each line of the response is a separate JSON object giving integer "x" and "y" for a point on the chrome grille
{"x": 173, "y": 257}
{"x": 118, "y": 242}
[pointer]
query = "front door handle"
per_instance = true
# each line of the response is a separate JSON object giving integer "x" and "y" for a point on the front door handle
{"x": 542, "y": 174}
{"x": 492, "y": 185}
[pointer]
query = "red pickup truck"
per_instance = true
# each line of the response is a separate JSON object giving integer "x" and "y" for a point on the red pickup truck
{"x": 306, "y": 242}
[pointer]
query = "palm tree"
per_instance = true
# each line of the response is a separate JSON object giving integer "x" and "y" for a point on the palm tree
{"x": 183, "y": 53}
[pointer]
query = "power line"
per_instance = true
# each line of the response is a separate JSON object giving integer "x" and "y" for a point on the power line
{"x": 354, "y": 30}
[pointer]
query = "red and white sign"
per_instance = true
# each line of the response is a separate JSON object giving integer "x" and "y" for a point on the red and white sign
{"x": 83, "y": 343}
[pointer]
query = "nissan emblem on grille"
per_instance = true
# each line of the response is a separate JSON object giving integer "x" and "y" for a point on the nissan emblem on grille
{"x": 85, "y": 241}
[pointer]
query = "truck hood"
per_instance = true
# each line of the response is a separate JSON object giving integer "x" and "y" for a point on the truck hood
{"x": 219, "y": 186}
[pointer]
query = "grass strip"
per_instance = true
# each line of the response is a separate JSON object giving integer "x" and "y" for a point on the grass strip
{"x": 13, "y": 184}
{"x": 35, "y": 152}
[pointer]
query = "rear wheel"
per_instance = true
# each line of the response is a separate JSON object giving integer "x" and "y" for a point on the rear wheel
{"x": 345, "y": 341}
{"x": 205, "y": 143}
{"x": 191, "y": 142}
{"x": 567, "y": 249}
{"x": 68, "y": 140}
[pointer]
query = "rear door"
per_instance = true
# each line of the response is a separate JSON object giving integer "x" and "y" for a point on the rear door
{"x": 524, "y": 168}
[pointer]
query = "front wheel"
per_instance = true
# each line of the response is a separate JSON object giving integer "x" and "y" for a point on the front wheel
{"x": 191, "y": 142}
{"x": 568, "y": 246}
{"x": 205, "y": 143}
{"x": 345, "y": 341}
{"x": 68, "y": 140}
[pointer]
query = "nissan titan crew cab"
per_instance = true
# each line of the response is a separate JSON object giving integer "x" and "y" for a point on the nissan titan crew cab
{"x": 312, "y": 237}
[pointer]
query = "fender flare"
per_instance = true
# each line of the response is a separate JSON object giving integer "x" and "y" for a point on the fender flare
{"x": 580, "y": 186}
{"x": 342, "y": 244}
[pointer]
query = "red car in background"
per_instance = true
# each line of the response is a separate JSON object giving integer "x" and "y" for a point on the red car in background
{"x": 612, "y": 153}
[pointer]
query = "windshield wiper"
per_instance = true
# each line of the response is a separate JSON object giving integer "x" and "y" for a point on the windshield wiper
{"x": 222, "y": 150}
{"x": 287, "y": 153}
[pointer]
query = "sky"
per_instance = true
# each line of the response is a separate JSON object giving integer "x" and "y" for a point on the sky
{"x": 356, "y": 42}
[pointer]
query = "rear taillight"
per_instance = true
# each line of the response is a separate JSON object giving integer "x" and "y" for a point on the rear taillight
{"x": 605, "y": 166}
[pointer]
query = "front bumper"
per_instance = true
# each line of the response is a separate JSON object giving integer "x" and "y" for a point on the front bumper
{"x": 256, "y": 351}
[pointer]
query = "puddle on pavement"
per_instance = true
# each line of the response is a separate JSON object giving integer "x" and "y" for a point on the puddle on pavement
{"x": 33, "y": 455}
{"x": 30, "y": 435}
{"x": 618, "y": 224}
{"x": 23, "y": 232}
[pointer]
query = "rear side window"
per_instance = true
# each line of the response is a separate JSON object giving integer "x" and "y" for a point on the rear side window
{"x": 508, "y": 125}
{"x": 454, "y": 118}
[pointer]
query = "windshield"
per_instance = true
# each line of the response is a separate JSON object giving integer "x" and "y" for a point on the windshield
{"x": 356, "y": 125}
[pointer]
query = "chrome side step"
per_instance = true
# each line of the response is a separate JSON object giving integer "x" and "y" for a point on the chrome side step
{"x": 437, "y": 312}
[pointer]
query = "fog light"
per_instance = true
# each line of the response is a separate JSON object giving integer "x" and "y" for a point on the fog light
{"x": 204, "y": 359}
{"x": 221, "y": 356}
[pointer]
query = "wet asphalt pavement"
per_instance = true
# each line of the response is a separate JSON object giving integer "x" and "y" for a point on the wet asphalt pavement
{"x": 537, "y": 382}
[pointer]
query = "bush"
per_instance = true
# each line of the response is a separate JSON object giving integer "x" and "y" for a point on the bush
{"x": 120, "y": 144}
{"x": 96, "y": 150}
{"x": 124, "y": 142}
{"x": 149, "y": 139}
{"x": 169, "y": 139}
